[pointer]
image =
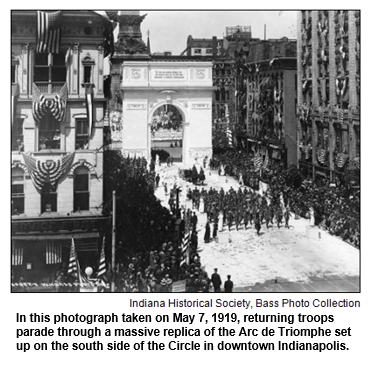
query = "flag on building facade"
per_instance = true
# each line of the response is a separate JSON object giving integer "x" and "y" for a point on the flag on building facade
{"x": 41, "y": 105}
{"x": 229, "y": 137}
{"x": 54, "y": 252}
{"x": 15, "y": 93}
{"x": 102, "y": 261}
{"x": 49, "y": 32}
{"x": 340, "y": 115}
{"x": 89, "y": 95}
{"x": 257, "y": 161}
{"x": 59, "y": 103}
{"x": 74, "y": 266}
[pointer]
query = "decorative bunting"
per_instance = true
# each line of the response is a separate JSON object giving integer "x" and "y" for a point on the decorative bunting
{"x": 42, "y": 172}
{"x": 42, "y": 105}
{"x": 341, "y": 160}
{"x": 322, "y": 155}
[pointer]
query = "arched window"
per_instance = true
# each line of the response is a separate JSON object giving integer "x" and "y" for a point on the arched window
{"x": 81, "y": 197}
{"x": 18, "y": 191}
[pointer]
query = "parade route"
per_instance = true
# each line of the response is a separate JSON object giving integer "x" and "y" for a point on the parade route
{"x": 279, "y": 259}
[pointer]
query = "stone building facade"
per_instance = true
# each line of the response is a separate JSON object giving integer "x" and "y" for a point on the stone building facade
{"x": 58, "y": 99}
{"x": 328, "y": 92}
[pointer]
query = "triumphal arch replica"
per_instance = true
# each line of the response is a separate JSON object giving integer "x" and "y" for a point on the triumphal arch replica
{"x": 163, "y": 98}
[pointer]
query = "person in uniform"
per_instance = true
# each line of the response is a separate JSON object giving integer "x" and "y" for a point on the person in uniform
{"x": 228, "y": 284}
{"x": 207, "y": 232}
{"x": 216, "y": 281}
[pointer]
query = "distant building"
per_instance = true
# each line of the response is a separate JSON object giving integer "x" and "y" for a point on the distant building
{"x": 328, "y": 92}
{"x": 266, "y": 109}
{"x": 58, "y": 97}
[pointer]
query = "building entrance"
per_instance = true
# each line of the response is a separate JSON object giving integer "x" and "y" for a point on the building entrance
{"x": 167, "y": 133}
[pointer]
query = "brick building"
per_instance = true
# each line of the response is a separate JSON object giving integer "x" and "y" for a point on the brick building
{"x": 232, "y": 57}
{"x": 58, "y": 97}
{"x": 328, "y": 92}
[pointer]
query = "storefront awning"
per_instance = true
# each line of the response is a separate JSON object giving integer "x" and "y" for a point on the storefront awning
{"x": 44, "y": 237}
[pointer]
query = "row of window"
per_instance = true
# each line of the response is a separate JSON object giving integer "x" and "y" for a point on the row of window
{"x": 81, "y": 192}
{"x": 49, "y": 134}
{"x": 198, "y": 51}
{"x": 50, "y": 72}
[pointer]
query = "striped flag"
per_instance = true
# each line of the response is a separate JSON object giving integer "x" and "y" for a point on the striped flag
{"x": 340, "y": 115}
{"x": 40, "y": 106}
{"x": 229, "y": 137}
{"x": 49, "y": 32}
{"x": 54, "y": 253}
{"x": 321, "y": 155}
{"x": 89, "y": 105}
{"x": 257, "y": 161}
{"x": 58, "y": 106}
{"x": 17, "y": 255}
{"x": 15, "y": 93}
{"x": 74, "y": 266}
{"x": 341, "y": 160}
{"x": 102, "y": 261}
{"x": 185, "y": 250}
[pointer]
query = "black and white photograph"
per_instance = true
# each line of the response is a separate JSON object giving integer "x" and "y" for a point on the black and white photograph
{"x": 197, "y": 151}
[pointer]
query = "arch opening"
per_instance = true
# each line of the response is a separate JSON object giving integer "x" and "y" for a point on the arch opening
{"x": 167, "y": 133}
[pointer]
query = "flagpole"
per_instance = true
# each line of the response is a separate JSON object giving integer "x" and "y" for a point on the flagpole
{"x": 113, "y": 240}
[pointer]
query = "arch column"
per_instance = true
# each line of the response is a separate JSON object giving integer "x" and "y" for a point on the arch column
{"x": 186, "y": 143}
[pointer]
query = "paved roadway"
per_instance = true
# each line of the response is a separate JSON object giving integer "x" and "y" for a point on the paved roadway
{"x": 280, "y": 260}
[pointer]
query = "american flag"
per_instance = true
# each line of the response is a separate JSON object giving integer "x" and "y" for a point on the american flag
{"x": 58, "y": 106}
{"x": 257, "y": 161}
{"x": 54, "y": 253}
{"x": 89, "y": 105}
{"x": 102, "y": 261}
{"x": 49, "y": 32}
{"x": 40, "y": 104}
{"x": 74, "y": 266}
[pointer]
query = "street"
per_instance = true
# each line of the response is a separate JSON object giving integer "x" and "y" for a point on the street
{"x": 278, "y": 260}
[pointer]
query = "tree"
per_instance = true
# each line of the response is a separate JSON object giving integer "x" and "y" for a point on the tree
{"x": 201, "y": 176}
{"x": 194, "y": 175}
